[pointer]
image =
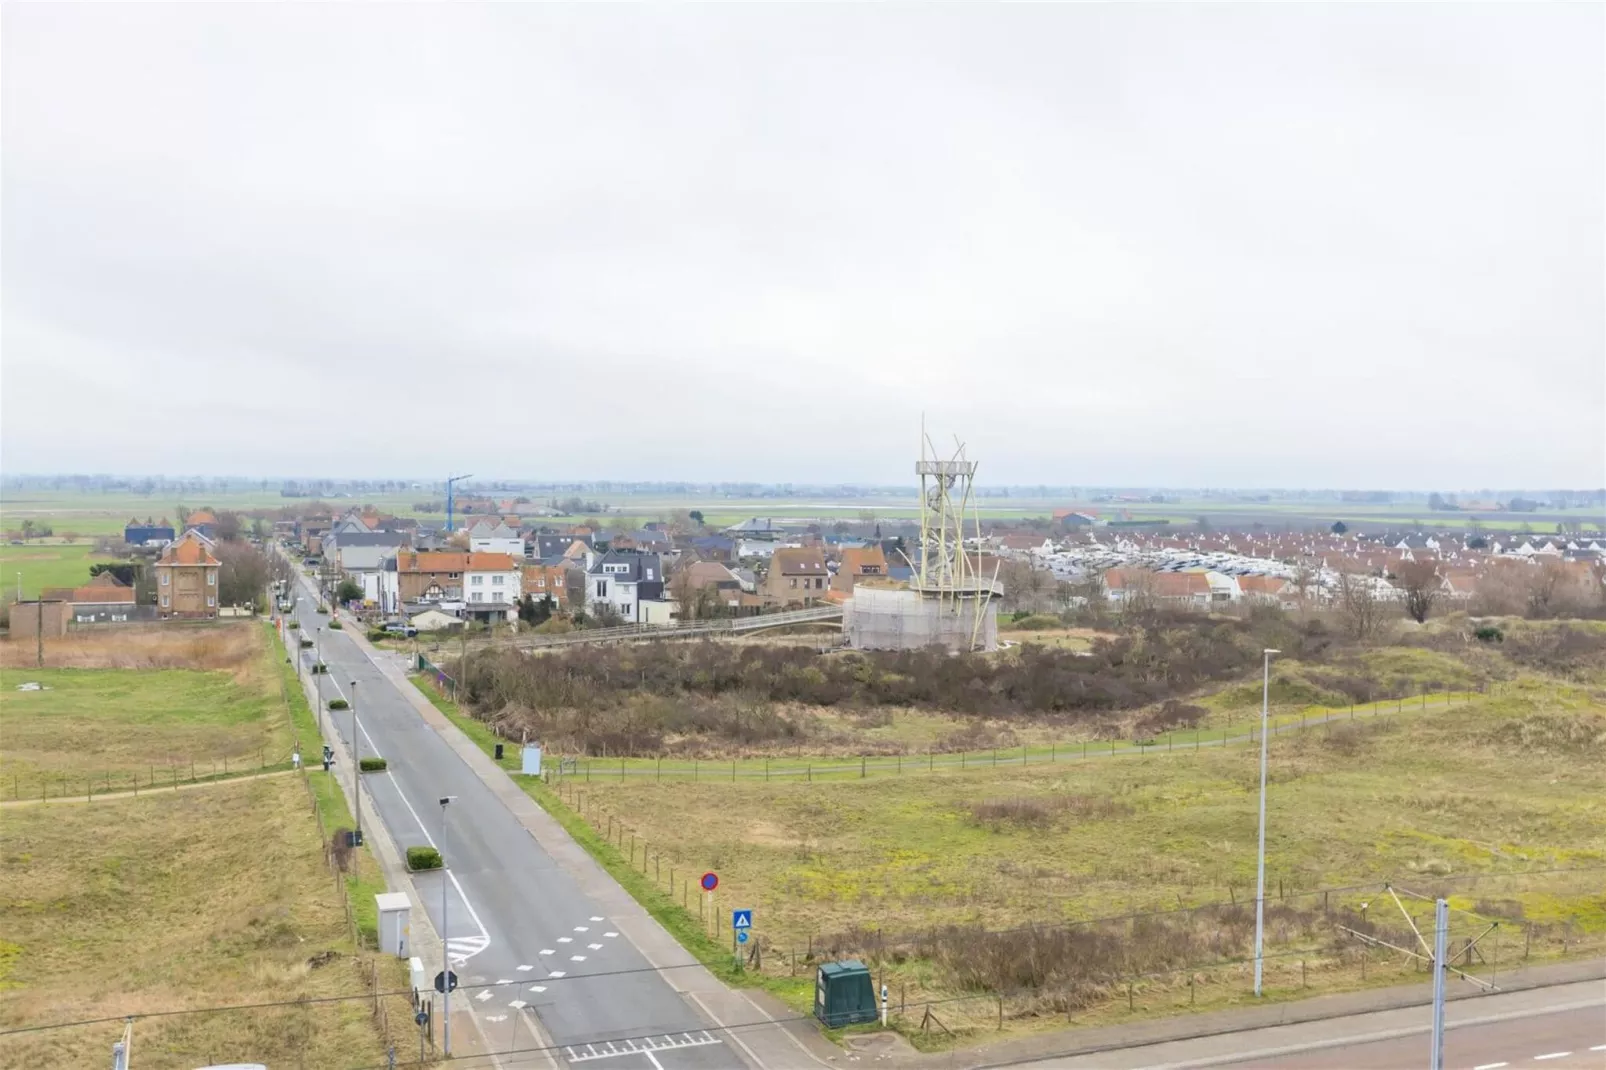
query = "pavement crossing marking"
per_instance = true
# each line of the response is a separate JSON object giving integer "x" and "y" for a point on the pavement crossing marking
{"x": 595, "y": 947}
{"x": 645, "y": 1046}
{"x": 577, "y": 958}
{"x": 557, "y": 973}
{"x": 610, "y": 934}
{"x": 517, "y": 1004}
{"x": 1552, "y": 1055}
{"x": 565, "y": 939}
{"x": 582, "y": 928}
{"x": 548, "y": 951}
{"x": 484, "y": 995}
{"x": 526, "y": 969}
{"x": 537, "y": 988}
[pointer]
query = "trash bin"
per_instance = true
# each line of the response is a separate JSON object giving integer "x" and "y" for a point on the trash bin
{"x": 844, "y": 994}
{"x": 499, "y": 752}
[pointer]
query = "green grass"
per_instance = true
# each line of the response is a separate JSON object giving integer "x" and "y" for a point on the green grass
{"x": 45, "y": 565}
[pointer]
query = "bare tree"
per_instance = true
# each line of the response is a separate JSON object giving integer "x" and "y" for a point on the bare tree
{"x": 244, "y": 574}
{"x": 1358, "y": 605}
{"x": 1421, "y": 583}
{"x": 684, "y": 591}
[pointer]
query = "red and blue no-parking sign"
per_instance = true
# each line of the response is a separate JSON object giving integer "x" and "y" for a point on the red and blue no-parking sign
{"x": 709, "y": 882}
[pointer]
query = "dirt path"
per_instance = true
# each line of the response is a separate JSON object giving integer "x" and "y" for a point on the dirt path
{"x": 169, "y": 789}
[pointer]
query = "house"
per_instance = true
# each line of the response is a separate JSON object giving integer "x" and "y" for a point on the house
{"x": 758, "y": 528}
{"x": 442, "y": 575}
{"x": 624, "y": 580}
{"x": 373, "y": 568}
{"x": 202, "y": 521}
{"x": 715, "y": 548}
{"x": 186, "y": 577}
{"x": 796, "y": 574}
{"x": 1266, "y": 589}
{"x": 862, "y": 563}
{"x": 104, "y": 599}
{"x": 645, "y": 540}
{"x": 433, "y": 620}
{"x": 1125, "y": 585}
{"x": 150, "y": 533}
{"x": 491, "y": 584}
{"x": 548, "y": 547}
{"x": 540, "y": 581}
{"x": 487, "y": 538}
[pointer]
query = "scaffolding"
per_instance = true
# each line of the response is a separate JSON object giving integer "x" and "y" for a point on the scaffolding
{"x": 948, "y": 603}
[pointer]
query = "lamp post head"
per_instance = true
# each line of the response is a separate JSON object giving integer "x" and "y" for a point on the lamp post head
{"x": 1269, "y": 652}
{"x": 446, "y": 799}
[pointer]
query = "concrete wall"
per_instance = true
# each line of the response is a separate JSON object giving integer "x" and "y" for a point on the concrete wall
{"x": 27, "y": 617}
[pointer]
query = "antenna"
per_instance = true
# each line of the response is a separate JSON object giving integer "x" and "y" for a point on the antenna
{"x": 450, "y": 480}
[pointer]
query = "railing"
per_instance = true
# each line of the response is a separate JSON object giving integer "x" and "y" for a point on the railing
{"x": 682, "y": 629}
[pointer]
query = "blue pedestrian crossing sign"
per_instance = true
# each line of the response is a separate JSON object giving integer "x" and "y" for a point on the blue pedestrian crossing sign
{"x": 741, "y": 936}
{"x": 741, "y": 919}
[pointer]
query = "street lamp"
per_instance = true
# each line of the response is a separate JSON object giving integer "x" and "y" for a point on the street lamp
{"x": 1260, "y": 883}
{"x": 317, "y": 659}
{"x": 446, "y": 955}
{"x": 356, "y": 763}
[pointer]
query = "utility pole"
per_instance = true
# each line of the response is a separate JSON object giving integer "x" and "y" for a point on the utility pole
{"x": 446, "y": 955}
{"x": 1441, "y": 940}
{"x": 39, "y": 639}
{"x": 1260, "y": 865}
{"x": 356, "y": 764}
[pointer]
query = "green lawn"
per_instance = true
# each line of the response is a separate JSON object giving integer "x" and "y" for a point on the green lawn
{"x": 46, "y": 565}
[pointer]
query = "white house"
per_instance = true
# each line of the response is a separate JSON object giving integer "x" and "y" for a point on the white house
{"x": 626, "y": 581}
{"x": 484, "y": 538}
{"x": 491, "y": 588}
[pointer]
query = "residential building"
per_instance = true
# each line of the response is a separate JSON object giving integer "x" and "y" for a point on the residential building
{"x": 866, "y": 562}
{"x": 484, "y": 537}
{"x": 546, "y": 581}
{"x": 624, "y": 580}
{"x": 491, "y": 586}
{"x": 186, "y": 577}
{"x": 549, "y": 548}
{"x": 150, "y": 533}
{"x": 796, "y": 575}
{"x": 104, "y": 599}
{"x": 202, "y": 521}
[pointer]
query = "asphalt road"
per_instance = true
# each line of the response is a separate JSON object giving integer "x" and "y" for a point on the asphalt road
{"x": 524, "y": 938}
{"x": 1555, "y": 1041}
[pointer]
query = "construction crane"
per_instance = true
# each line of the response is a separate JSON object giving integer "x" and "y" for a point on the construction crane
{"x": 449, "y": 483}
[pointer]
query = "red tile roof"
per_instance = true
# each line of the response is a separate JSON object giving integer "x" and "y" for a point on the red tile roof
{"x": 190, "y": 548}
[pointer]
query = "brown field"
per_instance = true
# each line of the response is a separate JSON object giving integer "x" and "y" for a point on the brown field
{"x": 230, "y": 646}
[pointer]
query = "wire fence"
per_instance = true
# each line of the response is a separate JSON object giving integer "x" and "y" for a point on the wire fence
{"x": 154, "y": 777}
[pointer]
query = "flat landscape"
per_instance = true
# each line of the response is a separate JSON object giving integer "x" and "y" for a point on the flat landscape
{"x": 185, "y": 898}
{"x": 41, "y": 564}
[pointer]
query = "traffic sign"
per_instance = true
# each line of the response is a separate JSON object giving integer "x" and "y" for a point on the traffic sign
{"x": 420, "y": 1018}
{"x": 742, "y": 919}
{"x": 741, "y": 936}
{"x": 709, "y": 882}
{"x": 446, "y": 982}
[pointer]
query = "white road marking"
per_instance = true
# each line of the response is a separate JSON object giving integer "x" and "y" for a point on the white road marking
{"x": 517, "y": 1004}
{"x": 526, "y": 969}
{"x": 496, "y": 1017}
{"x": 595, "y": 947}
{"x": 582, "y": 928}
{"x": 537, "y": 988}
{"x": 483, "y": 995}
{"x": 577, "y": 958}
{"x": 461, "y": 895}
{"x": 595, "y": 918}
{"x": 504, "y": 980}
{"x": 548, "y": 951}
{"x": 565, "y": 939}
{"x": 1553, "y": 1055}
{"x": 557, "y": 973}
{"x": 1598, "y": 1047}
{"x": 1490, "y": 1066}
{"x": 610, "y": 935}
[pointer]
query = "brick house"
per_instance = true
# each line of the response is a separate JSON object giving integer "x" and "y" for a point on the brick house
{"x": 796, "y": 575}
{"x": 443, "y": 575}
{"x": 103, "y": 599}
{"x": 186, "y": 578}
{"x": 546, "y": 581}
{"x": 865, "y": 562}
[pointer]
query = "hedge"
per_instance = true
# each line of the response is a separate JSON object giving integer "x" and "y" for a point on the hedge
{"x": 323, "y": 609}
{"x": 376, "y": 634}
{"x": 335, "y": 625}
{"x": 339, "y": 704}
{"x": 293, "y": 625}
{"x": 318, "y": 667}
{"x": 371, "y": 765}
{"x": 423, "y": 858}
{"x": 306, "y": 644}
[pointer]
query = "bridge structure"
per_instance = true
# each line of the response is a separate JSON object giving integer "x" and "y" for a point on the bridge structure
{"x": 690, "y": 629}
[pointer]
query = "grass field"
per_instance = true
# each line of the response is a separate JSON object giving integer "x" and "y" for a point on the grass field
{"x": 108, "y": 726}
{"x": 178, "y": 901}
{"x": 44, "y": 565}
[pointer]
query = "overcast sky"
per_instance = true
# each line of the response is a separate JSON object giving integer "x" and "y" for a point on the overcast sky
{"x": 1286, "y": 245}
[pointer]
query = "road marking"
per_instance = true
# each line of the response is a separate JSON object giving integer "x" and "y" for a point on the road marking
{"x": 565, "y": 939}
{"x": 557, "y": 973}
{"x": 461, "y": 895}
{"x": 483, "y": 995}
{"x": 582, "y": 929}
{"x": 504, "y": 980}
{"x": 1490, "y": 1066}
{"x": 1598, "y": 1047}
{"x": 595, "y": 947}
{"x": 610, "y": 935}
{"x": 537, "y": 988}
{"x": 1553, "y": 1055}
{"x": 595, "y": 918}
{"x": 526, "y": 969}
{"x": 517, "y": 1004}
{"x": 496, "y": 1017}
{"x": 582, "y": 958}
{"x": 548, "y": 951}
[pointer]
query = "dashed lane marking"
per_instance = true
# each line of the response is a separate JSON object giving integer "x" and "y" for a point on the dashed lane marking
{"x": 517, "y": 1004}
{"x": 537, "y": 988}
{"x": 595, "y": 947}
{"x": 595, "y": 918}
{"x": 1552, "y": 1055}
{"x": 610, "y": 935}
{"x": 1490, "y": 1066}
{"x": 526, "y": 969}
{"x": 577, "y": 958}
{"x": 557, "y": 973}
{"x": 565, "y": 939}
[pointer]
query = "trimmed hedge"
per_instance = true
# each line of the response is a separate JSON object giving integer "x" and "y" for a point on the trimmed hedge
{"x": 306, "y": 644}
{"x": 293, "y": 625}
{"x": 1489, "y": 634}
{"x": 423, "y": 858}
{"x": 371, "y": 765}
{"x": 376, "y": 634}
{"x": 339, "y": 704}
{"x": 335, "y": 625}
{"x": 323, "y": 609}
{"x": 318, "y": 667}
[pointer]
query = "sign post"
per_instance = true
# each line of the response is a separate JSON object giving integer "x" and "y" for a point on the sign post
{"x": 741, "y": 922}
{"x": 709, "y": 881}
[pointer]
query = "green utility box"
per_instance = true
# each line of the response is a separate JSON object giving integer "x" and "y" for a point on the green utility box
{"x": 844, "y": 994}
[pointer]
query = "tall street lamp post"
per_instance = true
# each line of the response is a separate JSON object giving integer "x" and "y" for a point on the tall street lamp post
{"x": 1260, "y": 865}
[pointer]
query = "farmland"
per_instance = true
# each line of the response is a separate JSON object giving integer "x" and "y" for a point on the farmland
{"x": 43, "y": 564}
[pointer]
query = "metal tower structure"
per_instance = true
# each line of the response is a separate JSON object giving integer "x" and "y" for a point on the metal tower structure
{"x": 450, "y": 482}
{"x": 945, "y": 572}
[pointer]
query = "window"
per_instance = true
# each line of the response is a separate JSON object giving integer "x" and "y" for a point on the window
{"x": 164, "y": 579}
{"x": 211, "y": 579}
{"x": 164, "y": 601}
{"x": 210, "y": 601}
{"x": 477, "y": 580}
{"x": 602, "y": 588}
{"x": 479, "y": 596}
{"x": 792, "y": 582}
{"x": 496, "y": 581}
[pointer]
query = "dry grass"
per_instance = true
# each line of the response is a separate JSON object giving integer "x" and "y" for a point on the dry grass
{"x": 234, "y": 647}
{"x": 178, "y": 909}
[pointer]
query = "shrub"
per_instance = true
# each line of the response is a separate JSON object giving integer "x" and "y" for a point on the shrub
{"x": 294, "y": 625}
{"x": 423, "y": 858}
{"x": 553, "y": 626}
{"x": 372, "y": 765}
{"x": 1489, "y": 634}
{"x": 377, "y": 634}
{"x": 335, "y": 625}
{"x": 1034, "y": 622}
{"x": 318, "y": 667}
{"x": 339, "y": 704}
{"x": 306, "y": 644}
{"x": 323, "y": 609}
